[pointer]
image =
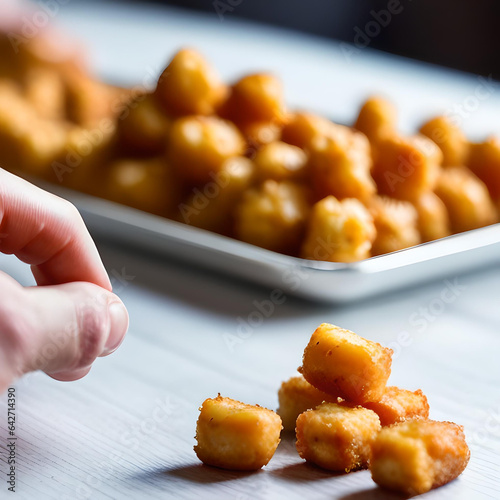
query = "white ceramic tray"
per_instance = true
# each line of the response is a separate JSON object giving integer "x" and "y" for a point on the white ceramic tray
{"x": 321, "y": 281}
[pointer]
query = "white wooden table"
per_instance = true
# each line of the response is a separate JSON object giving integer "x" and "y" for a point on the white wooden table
{"x": 126, "y": 430}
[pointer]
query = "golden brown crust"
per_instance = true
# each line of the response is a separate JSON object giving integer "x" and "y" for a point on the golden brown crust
{"x": 234, "y": 435}
{"x": 345, "y": 365}
{"x": 415, "y": 456}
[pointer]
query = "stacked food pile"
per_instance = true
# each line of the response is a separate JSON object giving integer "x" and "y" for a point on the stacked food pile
{"x": 234, "y": 160}
{"x": 345, "y": 419}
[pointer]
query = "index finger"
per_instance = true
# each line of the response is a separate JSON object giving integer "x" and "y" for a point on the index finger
{"x": 47, "y": 232}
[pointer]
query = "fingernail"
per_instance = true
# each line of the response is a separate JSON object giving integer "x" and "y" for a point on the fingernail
{"x": 118, "y": 325}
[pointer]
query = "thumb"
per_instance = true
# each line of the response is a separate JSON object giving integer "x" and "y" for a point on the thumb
{"x": 62, "y": 329}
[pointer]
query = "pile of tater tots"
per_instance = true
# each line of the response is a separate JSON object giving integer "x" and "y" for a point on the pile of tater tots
{"x": 233, "y": 159}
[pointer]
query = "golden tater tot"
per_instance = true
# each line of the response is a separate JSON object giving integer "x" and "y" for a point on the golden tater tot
{"x": 336, "y": 437}
{"x": 211, "y": 206}
{"x": 415, "y": 456}
{"x": 396, "y": 222}
{"x": 405, "y": 167}
{"x": 340, "y": 166}
{"x": 466, "y": 198}
{"x": 189, "y": 85}
{"x": 484, "y": 161}
{"x": 198, "y": 146}
{"x": 255, "y": 98}
{"x": 377, "y": 119}
{"x": 148, "y": 185}
{"x": 280, "y": 161}
{"x": 339, "y": 231}
{"x": 343, "y": 364}
{"x": 433, "y": 218}
{"x": 144, "y": 128}
{"x": 398, "y": 405}
{"x": 302, "y": 128}
{"x": 234, "y": 435}
{"x": 295, "y": 396}
{"x": 450, "y": 139}
{"x": 273, "y": 216}
{"x": 258, "y": 134}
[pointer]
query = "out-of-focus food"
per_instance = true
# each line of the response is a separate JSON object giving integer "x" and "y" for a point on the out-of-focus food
{"x": 396, "y": 224}
{"x": 450, "y": 139}
{"x": 397, "y": 405}
{"x": 337, "y": 437}
{"x": 297, "y": 395}
{"x": 273, "y": 216}
{"x": 234, "y": 435}
{"x": 415, "y": 456}
{"x": 345, "y": 365}
{"x": 339, "y": 231}
{"x": 467, "y": 199}
{"x": 304, "y": 185}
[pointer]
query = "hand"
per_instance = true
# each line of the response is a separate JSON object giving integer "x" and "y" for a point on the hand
{"x": 72, "y": 317}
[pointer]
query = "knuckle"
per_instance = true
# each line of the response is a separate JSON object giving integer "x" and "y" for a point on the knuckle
{"x": 93, "y": 327}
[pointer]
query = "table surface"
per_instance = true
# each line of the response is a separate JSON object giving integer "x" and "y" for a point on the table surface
{"x": 127, "y": 429}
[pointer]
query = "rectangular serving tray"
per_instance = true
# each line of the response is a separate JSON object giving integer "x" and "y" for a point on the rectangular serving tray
{"x": 314, "y": 280}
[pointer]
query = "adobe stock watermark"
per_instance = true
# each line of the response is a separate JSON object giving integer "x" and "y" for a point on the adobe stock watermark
{"x": 420, "y": 320}
{"x": 489, "y": 428}
{"x": 222, "y": 7}
{"x": 379, "y": 20}
{"x": 35, "y": 21}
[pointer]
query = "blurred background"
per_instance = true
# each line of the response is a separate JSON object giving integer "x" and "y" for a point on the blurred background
{"x": 456, "y": 33}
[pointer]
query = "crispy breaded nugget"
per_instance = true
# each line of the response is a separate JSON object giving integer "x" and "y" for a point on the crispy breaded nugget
{"x": 433, "y": 218}
{"x": 466, "y": 198}
{"x": 189, "y": 85}
{"x": 345, "y": 365}
{"x": 396, "y": 222}
{"x": 337, "y": 437}
{"x": 484, "y": 161}
{"x": 450, "y": 139}
{"x": 405, "y": 167}
{"x": 340, "y": 165}
{"x": 280, "y": 161}
{"x": 273, "y": 216}
{"x": 415, "y": 456}
{"x": 339, "y": 231}
{"x": 235, "y": 435}
{"x": 377, "y": 119}
{"x": 398, "y": 405}
{"x": 296, "y": 395}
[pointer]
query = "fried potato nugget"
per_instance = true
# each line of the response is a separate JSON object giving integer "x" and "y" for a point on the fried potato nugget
{"x": 234, "y": 435}
{"x": 467, "y": 199}
{"x": 340, "y": 165}
{"x": 144, "y": 128}
{"x": 433, "y": 218}
{"x": 198, "y": 146}
{"x": 450, "y": 139}
{"x": 415, "y": 456}
{"x": 345, "y": 365}
{"x": 211, "y": 207}
{"x": 377, "y": 119}
{"x": 145, "y": 184}
{"x": 273, "y": 216}
{"x": 255, "y": 98}
{"x": 297, "y": 395}
{"x": 337, "y": 437}
{"x": 301, "y": 129}
{"x": 189, "y": 85}
{"x": 405, "y": 167}
{"x": 484, "y": 161}
{"x": 280, "y": 161}
{"x": 396, "y": 222}
{"x": 398, "y": 405}
{"x": 339, "y": 231}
